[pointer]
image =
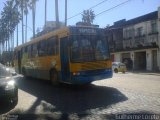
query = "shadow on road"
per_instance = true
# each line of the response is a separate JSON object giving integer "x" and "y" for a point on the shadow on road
{"x": 69, "y": 99}
{"x": 4, "y": 108}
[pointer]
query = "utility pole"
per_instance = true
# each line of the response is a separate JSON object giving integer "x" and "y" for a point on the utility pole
{"x": 45, "y": 19}
{"x": 57, "y": 13}
{"x": 17, "y": 35}
{"x": 65, "y": 12}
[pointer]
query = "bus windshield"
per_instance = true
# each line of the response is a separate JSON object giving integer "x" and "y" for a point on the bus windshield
{"x": 85, "y": 48}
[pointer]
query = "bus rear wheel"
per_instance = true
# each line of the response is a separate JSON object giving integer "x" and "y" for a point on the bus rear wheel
{"x": 54, "y": 77}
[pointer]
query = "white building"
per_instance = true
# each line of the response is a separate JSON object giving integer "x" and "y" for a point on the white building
{"x": 141, "y": 42}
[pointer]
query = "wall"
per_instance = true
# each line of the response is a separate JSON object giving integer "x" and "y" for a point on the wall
{"x": 149, "y": 60}
{"x": 117, "y": 57}
{"x": 158, "y": 53}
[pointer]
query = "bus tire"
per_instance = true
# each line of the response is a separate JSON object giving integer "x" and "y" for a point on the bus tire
{"x": 54, "y": 77}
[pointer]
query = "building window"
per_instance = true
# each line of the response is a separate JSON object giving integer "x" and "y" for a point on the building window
{"x": 139, "y": 31}
{"x": 128, "y": 33}
{"x": 153, "y": 27}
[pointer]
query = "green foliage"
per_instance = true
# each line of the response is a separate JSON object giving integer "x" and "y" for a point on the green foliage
{"x": 88, "y": 16}
{"x": 10, "y": 17}
{"x": 6, "y": 56}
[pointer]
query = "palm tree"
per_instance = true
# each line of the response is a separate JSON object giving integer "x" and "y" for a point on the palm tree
{"x": 6, "y": 15}
{"x": 88, "y": 16}
{"x": 26, "y": 5}
{"x": 14, "y": 20}
{"x": 33, "y": 8}
{"x": 9, "y": 20}
{"x": 21, "y": 5}
{"x": 17, "y": 6}
{"x": 6, "y": 23}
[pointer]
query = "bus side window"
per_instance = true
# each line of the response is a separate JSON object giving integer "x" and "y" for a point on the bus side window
{"x": 25, "y": 49}
{"x": 22, "y": 52}
{"x": 52, "y": 46}
{"x": 34, "y": 50}
{"x": 56, "y": 46}
{"x": 42, "y": 48}
{"x": 29, "y": 51}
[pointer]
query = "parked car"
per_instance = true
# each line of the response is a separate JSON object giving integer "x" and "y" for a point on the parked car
{"x": 8, "y": 87}
{"x": 119, "y": 67}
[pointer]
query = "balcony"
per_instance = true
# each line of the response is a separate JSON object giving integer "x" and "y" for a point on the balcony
{"x": 126, "y": 44}
{"x": 119, "y": 45}
{"x": 153, "y": 33}
{"x": 140, "y": 36}
{"x": 128, "y": 38}
{"x": 139, "y": 40}
{"x": 152, "y": 38}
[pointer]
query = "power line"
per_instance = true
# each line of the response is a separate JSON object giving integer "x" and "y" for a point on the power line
{"x": 113, "y": 7}
{"x": 87, "y": 9}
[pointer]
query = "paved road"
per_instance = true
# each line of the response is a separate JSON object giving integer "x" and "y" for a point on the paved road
{"x": 123, "y": 94}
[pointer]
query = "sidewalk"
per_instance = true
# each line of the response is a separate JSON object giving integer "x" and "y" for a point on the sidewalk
{"x": 144, "y": 72}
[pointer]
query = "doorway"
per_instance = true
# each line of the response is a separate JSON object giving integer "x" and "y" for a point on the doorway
{"x": 140, "y": 60}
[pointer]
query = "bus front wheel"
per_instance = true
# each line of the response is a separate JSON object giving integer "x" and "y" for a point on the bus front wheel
{"x": 54, "y": 77}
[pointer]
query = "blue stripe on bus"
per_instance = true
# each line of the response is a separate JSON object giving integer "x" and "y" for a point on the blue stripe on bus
{"x": 91, "y": 75}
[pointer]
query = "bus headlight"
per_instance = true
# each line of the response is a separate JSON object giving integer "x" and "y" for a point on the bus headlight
{"x": 76, "y": 73}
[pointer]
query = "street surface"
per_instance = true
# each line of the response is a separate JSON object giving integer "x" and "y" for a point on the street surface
{"x": 128, "y": 93}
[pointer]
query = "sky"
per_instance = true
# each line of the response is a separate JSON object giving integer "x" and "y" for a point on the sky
{"x": 131, "y": 9}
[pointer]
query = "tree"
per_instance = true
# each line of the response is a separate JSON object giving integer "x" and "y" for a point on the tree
{"x": 20, "y": 4}
{"x": 26, "y": 5}
{"x": 9, "y": 20}
{"x": 33, "y": 8}
{"x": 88, "y": 16}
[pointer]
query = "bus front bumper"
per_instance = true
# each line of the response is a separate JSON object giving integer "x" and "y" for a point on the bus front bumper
{"x": 85, "y": 77}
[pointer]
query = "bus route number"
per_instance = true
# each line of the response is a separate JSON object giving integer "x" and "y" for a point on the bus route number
{"x": 91, "y": 31}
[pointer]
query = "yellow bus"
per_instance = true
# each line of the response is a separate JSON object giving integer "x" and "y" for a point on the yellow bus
{"x": 74, "y": 55}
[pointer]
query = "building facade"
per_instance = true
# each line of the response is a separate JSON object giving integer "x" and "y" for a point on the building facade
{"x": 136, "y": 42}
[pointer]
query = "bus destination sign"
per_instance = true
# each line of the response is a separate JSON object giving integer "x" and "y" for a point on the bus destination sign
{"x": 87, "y": 31}
{"x": 83, "y": 30}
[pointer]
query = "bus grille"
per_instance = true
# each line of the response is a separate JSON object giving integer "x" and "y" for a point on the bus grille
{"x": 92, "y": 66}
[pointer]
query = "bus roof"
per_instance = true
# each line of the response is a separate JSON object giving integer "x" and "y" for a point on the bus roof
{"x": 44, "y": 36}
{"x": 49, "y": 34}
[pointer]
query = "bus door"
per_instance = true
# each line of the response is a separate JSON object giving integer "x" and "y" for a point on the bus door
{"x": 64, "y": 56}
{"x": 19, "y": 61}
